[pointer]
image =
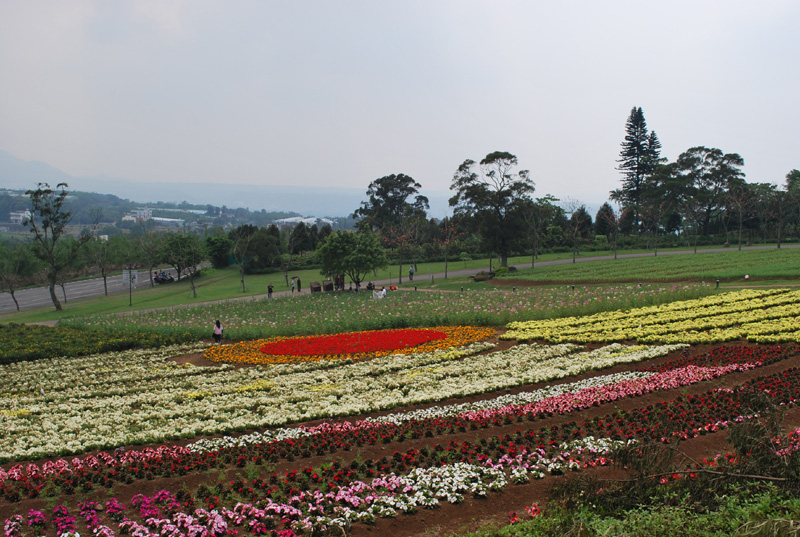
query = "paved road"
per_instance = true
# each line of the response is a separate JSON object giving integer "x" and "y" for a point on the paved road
{"x": 40, "y": 296}
{"x": 37, "y": 297}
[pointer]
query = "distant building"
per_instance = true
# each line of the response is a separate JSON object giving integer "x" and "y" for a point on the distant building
{"x": 309, "y": 221}
{"x": 168, "y": 222}
{"x": 139, "y": 215}
{"x": 18, "y": 217}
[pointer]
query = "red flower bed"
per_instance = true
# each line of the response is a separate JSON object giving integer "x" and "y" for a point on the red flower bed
{"x": 353, "y": 343}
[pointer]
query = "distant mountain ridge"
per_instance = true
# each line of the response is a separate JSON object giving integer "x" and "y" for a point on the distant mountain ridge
{"x": 316, "y": 201}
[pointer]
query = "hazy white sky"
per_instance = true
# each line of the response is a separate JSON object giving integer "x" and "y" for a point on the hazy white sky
{"x": 339, "y": 93}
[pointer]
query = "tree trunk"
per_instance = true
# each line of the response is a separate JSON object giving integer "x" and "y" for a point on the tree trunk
{"x": 64, "y": 290}
{"x": 105, "y": 281}
{"x": 655, "y": 243}
{"x": 241, "y": 274}
{"x": 14, "y": 298}
{"x": 53, "y": 296}
{"x": 740, "y": 231}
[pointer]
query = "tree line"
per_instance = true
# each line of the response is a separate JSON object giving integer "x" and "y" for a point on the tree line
{"x": 700, "y": 198}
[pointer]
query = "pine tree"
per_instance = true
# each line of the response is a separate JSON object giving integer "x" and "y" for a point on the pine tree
{"x": 641, "y": 151}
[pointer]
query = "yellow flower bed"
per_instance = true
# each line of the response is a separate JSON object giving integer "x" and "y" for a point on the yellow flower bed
{"x": 760, "y": 316}
{"x": 248, "y": 352}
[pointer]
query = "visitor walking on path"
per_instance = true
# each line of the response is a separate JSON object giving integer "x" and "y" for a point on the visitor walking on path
{"x": 217, "y": 332}
{"x": 292, "y": 285}
{"x": 298, "y": 285}
{"x": 269, "y": 291}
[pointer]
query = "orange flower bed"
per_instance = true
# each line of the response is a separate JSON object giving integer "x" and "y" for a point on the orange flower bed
{"x": 442, "y": 337}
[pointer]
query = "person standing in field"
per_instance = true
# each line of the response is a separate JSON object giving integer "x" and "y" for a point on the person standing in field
{"x": 298, "y": 285}
{"x": 292, "y": 285}
{"x": 217, "y": 332}
{"x": 269, "y": 291}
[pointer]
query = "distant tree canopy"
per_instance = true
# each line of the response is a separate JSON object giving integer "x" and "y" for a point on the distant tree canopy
{"x": 352, "y": 254}
{"x": 388, "y": 203}
{"x": 491, "y": 196}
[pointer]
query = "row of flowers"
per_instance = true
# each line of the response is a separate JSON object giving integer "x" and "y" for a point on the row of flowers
{"x": 349, "y": 346}
{"x": 314, "y": 500}
{"x": 761, "y": 316}
{"x": 313, "y": 510}
{"x": 327, "y": 438}
{"x": 72, "y": 421}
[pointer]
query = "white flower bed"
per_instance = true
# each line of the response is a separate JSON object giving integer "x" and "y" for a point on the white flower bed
{"x": 142, "y": 397}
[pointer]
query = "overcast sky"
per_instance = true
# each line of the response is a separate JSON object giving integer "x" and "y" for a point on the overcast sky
{"x": 339, "y": 93}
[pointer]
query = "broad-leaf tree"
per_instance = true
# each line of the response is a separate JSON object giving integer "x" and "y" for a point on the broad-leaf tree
{"x": 185, "y": 252}
{"x": 99, "y": 252}
{"x": 241, "y": 239}
{"x": 17, "y": 264}
{"x": 707, "y": 173}
{"x": 394, "y": 209}
{"x": 48, "y": 224}
{"x": 539, "y": 214}
{"x": 352, "y": 254}
{"x": 579, "y": 226}
{"x": 492, "y": 195}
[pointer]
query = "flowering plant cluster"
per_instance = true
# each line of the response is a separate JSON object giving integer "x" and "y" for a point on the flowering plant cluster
{"x": 105, "y": 469}
{"x": 332, "y": 313}
{"x": 349, "y": 346}
{"x": 314, "y": 500}
{"x": 764, "y": 316}
{"x": 129, "y": 403}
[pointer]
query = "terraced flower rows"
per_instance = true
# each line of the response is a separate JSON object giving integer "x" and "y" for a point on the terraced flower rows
{"x": 98, "y": 407}
{"x": 320, "y": 499}
{"x": 332, "y": 477}
{"x": 769, "y": 316}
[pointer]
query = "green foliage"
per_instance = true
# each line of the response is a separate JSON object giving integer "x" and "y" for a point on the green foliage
{"x": 219, "y": 249}
{"x": 387, "y": 205}
{"x": 48, "y": 224}
{"x": 492, "y": 199}
{"x": 353, "y": 254}
{"x": 32, "y": 342}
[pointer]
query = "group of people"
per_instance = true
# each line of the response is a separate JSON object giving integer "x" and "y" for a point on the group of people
{"x": 296, "y": 281}
{"x": 162, "y": 277}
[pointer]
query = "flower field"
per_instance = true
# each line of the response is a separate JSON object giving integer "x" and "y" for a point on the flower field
{"x": 334, "y": 313}
{"x": 352, "y": 433}
{"x": 350, "y": 346}
{"x": 760, "y": 316}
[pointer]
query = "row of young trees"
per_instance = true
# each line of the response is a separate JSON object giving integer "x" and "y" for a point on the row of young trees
{"x": 58, "y": 255}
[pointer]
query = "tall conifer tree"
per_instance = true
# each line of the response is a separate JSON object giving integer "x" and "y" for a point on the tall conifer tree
{"x": 640, "y": 153}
